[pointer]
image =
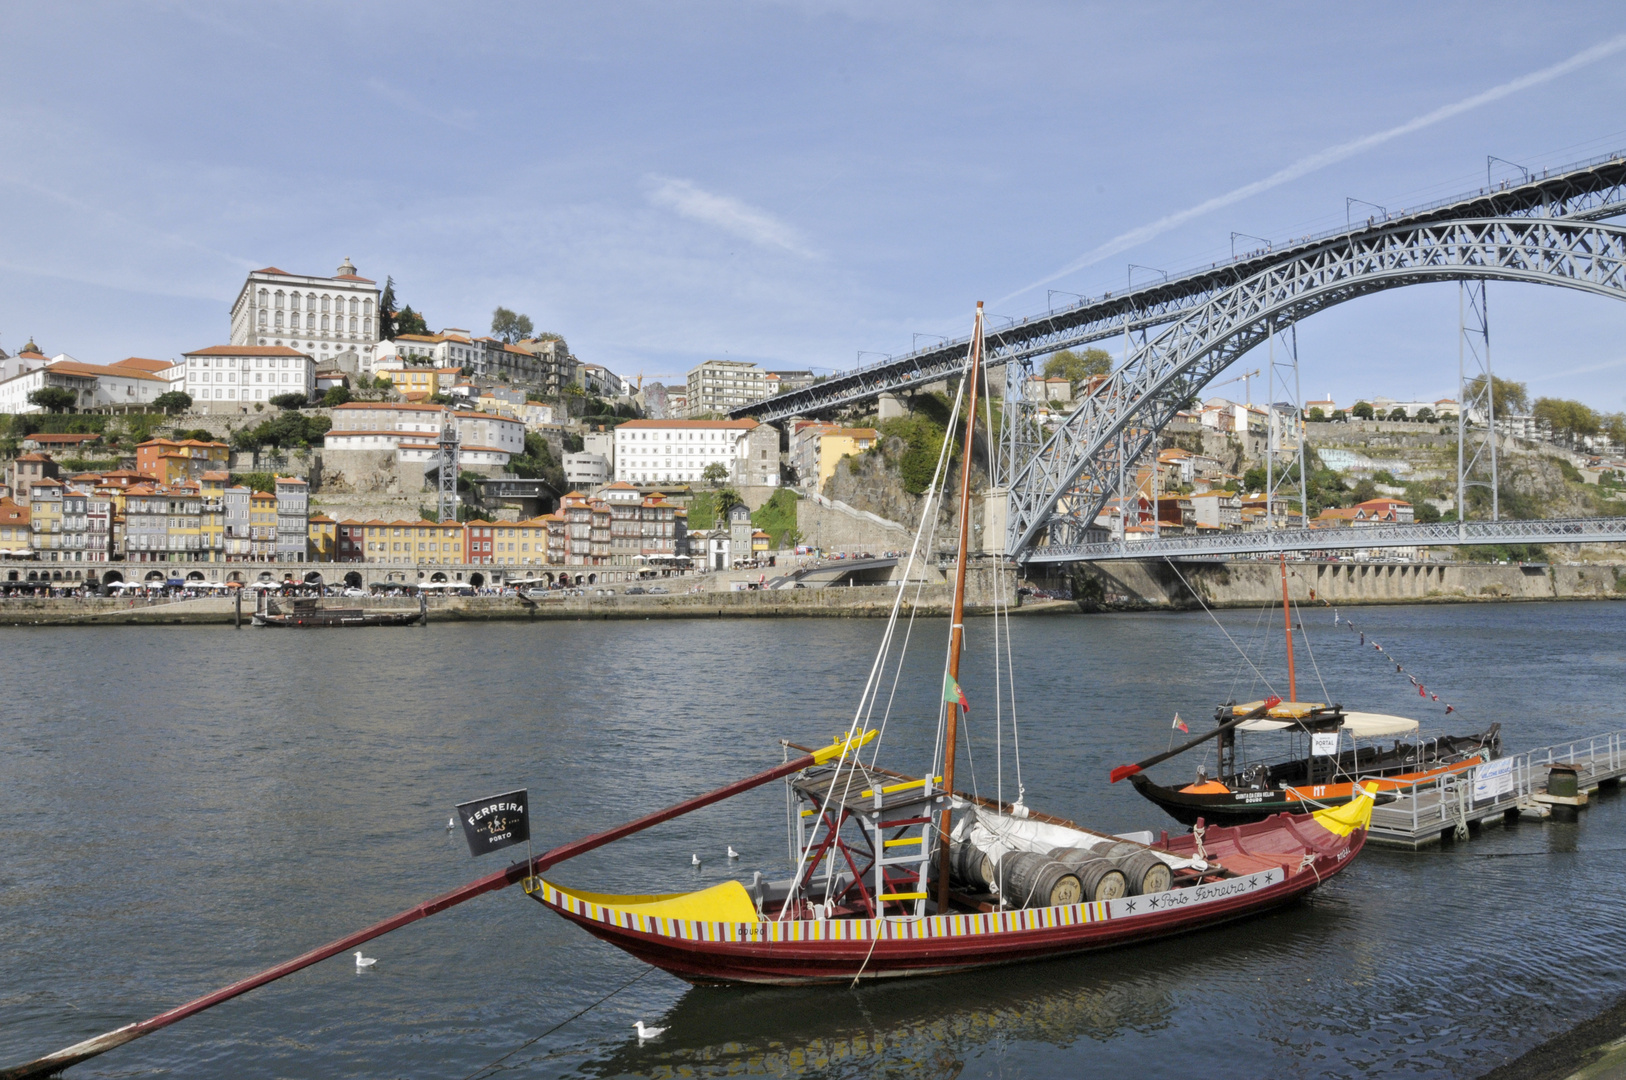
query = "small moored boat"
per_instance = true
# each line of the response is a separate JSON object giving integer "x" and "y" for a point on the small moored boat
{"x": 311, "y": 613}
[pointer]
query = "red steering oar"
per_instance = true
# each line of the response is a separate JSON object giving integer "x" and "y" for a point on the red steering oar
{"x": 1130, "y": 770}
{"x": 72, "y": 1055}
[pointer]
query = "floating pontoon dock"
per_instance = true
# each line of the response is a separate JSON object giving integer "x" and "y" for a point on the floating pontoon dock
{"x": 1496, "y": 792}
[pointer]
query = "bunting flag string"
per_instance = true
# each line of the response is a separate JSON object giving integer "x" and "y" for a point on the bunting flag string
{"x": 1400, "y": 669}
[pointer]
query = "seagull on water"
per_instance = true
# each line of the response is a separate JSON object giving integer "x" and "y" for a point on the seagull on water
{"x": 451, "y": 823}
{"x": 694, "y": 860}
{"x": 364, "y": 962}
{"x": 647, "y": 1032}
{"x": 732, "y": 854}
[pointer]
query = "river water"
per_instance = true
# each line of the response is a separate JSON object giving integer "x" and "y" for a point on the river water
{"x": 182, "y": 806}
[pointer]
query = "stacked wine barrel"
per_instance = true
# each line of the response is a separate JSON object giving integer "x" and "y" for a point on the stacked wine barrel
{"x": 1104, "y": 871}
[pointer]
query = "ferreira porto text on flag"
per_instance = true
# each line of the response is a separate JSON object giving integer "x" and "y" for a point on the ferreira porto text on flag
{"x": 497, "y": 822}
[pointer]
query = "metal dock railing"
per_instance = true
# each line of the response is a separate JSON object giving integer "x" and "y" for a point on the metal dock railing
{"x": 1426, "y": 813}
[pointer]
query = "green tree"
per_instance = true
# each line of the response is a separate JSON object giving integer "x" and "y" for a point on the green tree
{"x": 256, "y": 481}
{"x": 383, "y": 382}
{"x": 410, "y": 322}
{"x": 290, "y": 401}
{"x": 336, "y": 395}
{"x": 508, "y": 327}
{"x": 1361, "y": 410}
{"x": 386, "y": 312}
{"x": 1076, "y": 367}
{"x": 1425, "y": 415}
{"x": 1398, "y": 414}
{"x": 538, "y": 462}
{"x": 54, "y": 399}
{"x": 715, "y": 474}
{"x": 1614, "y": 426}
{"x": 1570, "y": 420}
{"x": 286, "y": 429}
{"x": 1512, "y": 398}
{"x": 1425, "y": 512}
{"x": 1316, "y": 415}
{"x": 173, "y": 401}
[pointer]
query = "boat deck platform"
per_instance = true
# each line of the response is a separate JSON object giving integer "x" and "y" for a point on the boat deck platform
{"x": 1496, "y": 792}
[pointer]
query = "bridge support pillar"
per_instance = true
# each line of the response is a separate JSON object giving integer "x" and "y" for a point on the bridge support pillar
{"x": 891, "y": 406}
{"x": 995, "y": 518}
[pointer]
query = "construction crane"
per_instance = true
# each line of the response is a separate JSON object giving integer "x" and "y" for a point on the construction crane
{"x": 1246, "y": 379}
{"x": 640, "y": 378}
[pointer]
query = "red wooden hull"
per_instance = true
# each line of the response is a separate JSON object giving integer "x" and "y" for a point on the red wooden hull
{"x": 1278, "y": 861}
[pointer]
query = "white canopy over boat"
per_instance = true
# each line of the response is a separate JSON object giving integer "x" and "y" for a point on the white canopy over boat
{"x": 1362, "y": 725}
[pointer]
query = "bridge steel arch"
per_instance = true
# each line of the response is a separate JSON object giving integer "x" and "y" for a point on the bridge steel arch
{"x": 1068, "y": 480}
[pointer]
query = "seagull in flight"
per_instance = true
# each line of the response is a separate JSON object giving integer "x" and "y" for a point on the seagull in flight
{"x": 364, "y": 962}
{"x": 647, "y": 1032}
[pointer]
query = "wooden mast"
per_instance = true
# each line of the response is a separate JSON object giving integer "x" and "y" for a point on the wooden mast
{"x": 951, "y": 727}
{"x": 1287, "y": 621}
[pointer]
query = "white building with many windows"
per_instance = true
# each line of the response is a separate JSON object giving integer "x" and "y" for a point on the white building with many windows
{"x": 412, "y": 431}
{"x": 678, "y": 451}
{"x": 94, "y": 386}
{"x": 321, "y": 317}
{"x": 717, "y": 386}
{"x": 222, "y": 378}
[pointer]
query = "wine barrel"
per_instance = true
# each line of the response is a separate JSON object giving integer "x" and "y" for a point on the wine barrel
{"x": 1027, "y": 879}
{"x": 1145, "y": 873}
{"x": 1115, "y": 849}
{"x": 1100, "y": 879}
{"x": 1072, "y": 856}
{"x": 972, "y": 866}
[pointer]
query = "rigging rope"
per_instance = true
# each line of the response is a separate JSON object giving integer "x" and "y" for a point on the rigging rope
{"x": 581, "y": 1012}
{"x": 1222, "y": 629}
{"x": 1253, "y": 643}
{"x": 850, "y": 759}
{"x": 1422, "y": 690}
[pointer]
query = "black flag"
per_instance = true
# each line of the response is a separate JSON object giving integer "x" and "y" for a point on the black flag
{"x": 489, "y": 824}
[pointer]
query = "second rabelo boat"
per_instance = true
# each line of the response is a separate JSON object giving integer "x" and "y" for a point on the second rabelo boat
{"x": 901, "y": 874}
{"x": 1318, "y": 772}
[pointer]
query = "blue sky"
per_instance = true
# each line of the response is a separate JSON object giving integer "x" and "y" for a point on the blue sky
{"x": 788, "y": 182}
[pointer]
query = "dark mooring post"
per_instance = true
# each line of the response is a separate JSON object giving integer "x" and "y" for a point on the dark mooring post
{"x": 237, "y": 611}
{"x": 423, "y": 607}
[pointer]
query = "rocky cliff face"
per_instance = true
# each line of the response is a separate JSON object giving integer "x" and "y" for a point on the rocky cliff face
{"x": 871, "y": 481}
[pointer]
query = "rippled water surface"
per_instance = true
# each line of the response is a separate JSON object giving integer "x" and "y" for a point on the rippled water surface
{"x": 182, "y": 806}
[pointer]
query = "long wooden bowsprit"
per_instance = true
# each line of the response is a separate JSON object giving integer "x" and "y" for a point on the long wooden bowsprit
{"x": 54, "y": 1063}
{"x": 1130, "y": 770}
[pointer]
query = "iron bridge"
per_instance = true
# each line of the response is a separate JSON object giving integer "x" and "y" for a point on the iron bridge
{"x": 1584, "y": 191}
{"x": 1611, "y": 530}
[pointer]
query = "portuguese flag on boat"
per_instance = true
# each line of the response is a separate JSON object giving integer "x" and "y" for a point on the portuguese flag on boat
{"x": 953, "y": 694}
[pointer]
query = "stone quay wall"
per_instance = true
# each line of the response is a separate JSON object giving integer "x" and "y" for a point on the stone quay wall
{"x": 1248, "y": 583}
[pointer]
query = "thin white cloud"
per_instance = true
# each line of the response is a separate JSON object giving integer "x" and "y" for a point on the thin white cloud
{"x": 733, "y": 216}
{"x": 1587, "y": 370}
{"x": 460, "y": 120}
{"x": 1320, "y": 160}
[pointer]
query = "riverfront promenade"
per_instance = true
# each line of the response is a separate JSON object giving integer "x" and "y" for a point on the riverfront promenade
{"x": 863, "y": 602}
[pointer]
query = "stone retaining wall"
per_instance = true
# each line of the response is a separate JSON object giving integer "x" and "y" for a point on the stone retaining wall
{"x": 1247, "y": 583}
